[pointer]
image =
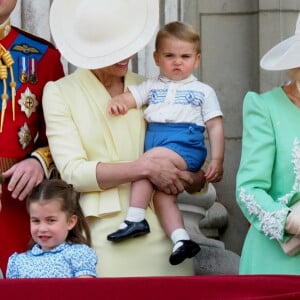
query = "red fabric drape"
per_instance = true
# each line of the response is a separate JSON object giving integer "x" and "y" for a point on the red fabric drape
{"x": 231, "y": 287}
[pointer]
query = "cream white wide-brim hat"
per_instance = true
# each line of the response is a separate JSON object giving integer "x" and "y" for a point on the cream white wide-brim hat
{"x": 285, "y": 55}
{"x": 94, "y": 34}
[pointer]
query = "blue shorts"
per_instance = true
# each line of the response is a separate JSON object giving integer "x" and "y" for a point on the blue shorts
{"x": 184, "y": 138}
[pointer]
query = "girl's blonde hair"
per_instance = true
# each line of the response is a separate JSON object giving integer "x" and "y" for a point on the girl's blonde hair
{"x": 181, "y": 31}
{"x": 58, "y": 190}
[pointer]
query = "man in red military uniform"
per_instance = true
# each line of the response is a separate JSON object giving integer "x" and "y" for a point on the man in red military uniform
{"x": 27, "y": 63}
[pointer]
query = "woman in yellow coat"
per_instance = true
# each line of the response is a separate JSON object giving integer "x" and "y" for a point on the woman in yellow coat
{"x": 101, "y": 154}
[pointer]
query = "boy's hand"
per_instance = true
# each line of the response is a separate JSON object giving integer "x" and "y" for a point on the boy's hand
{"x": 214, "y": 172}
{"x": 115, "y": 108}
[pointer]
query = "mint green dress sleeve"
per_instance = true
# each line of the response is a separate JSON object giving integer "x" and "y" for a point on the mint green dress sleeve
{"x": 255, "y": 174}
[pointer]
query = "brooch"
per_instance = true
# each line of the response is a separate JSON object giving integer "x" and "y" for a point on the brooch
{"x": 28, "y": 102}
{"x": 24, "y": 136}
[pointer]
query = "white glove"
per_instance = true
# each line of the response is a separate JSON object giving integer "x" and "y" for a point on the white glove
{"x": 292, "y": 224}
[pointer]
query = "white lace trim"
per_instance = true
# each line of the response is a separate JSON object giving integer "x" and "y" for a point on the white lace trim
{"x": 271, "y": 222}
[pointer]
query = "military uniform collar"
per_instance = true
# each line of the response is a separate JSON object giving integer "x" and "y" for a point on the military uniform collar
{"x": 5, "y": 29}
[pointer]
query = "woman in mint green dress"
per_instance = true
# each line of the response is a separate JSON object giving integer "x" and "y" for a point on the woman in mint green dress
{"x": 268, "y": 179}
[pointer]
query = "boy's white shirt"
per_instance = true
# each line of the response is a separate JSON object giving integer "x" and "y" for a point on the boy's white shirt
{"x": 167, "y": 111}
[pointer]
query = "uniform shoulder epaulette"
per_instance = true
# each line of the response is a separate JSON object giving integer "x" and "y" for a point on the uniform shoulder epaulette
{"x": 34, "y": 37}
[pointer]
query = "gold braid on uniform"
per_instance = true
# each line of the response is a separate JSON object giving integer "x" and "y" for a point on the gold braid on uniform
{"x": 4, "y": 96}
{"x": 6, "y": 62}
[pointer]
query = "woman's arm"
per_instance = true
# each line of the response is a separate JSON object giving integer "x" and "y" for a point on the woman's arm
{"x": 161, "y": 172}
{"x": 255, "y": 174}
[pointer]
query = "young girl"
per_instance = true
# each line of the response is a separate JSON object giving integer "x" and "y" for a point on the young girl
{"x": 179, "y": 110}
{"x": 61, "y": 238}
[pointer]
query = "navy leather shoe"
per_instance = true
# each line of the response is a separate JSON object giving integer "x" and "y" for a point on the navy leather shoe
{"x": 133, "y": 229}
{"x": 188, "y": 250}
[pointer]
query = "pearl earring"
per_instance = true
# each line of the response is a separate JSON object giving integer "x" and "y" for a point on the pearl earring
{"x": 298, "y": 86}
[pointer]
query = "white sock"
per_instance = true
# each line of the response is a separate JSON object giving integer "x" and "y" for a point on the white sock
{"x": 178, "y": 235}
{"x": 134, "y": 214}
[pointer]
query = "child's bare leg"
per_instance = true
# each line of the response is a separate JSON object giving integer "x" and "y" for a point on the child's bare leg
{"x": 168, "y": 213}
{"x": 141, "y": 192}
{"x": 171, "y": 220}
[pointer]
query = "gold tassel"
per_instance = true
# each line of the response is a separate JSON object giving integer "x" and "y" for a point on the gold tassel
{"x": 4, "y": 96}
{"x": 8, "y": 61}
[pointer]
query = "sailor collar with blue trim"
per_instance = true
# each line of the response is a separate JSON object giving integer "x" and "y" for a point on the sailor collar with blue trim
{"x": 189, "y": 79}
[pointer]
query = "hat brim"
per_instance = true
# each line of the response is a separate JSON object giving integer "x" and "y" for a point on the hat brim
{"x": 107, "y": 43}
{"x": 283, "y": 56}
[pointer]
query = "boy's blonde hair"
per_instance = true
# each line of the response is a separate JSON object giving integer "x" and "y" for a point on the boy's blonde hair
{"x": 181, "y": 31}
